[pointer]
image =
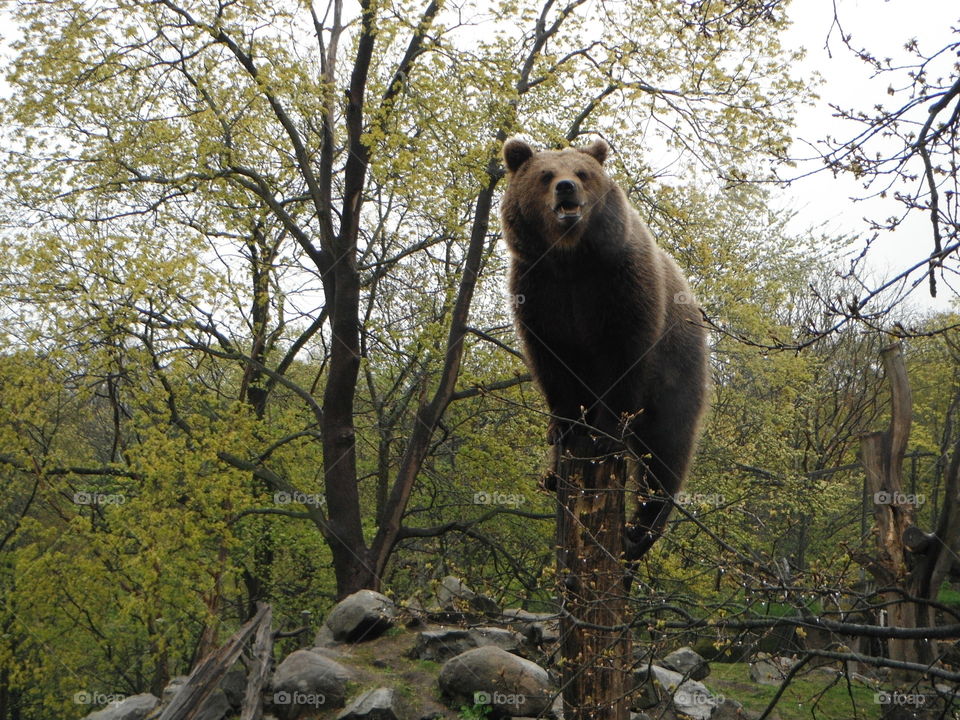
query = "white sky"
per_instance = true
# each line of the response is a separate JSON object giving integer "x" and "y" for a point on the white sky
{"x": 882, "y": 27}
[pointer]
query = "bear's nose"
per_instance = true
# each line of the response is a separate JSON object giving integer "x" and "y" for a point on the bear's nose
{"x": 566, "y": 187}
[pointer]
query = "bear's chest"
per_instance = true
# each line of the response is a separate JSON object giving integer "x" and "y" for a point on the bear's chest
{"x": 573, "y": 303}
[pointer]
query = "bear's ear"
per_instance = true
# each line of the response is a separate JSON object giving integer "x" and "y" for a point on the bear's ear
{"x": 598, "y": 150}
{"x": 516, "y": 153}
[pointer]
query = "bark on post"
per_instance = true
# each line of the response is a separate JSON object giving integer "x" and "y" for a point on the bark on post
{"x": 595, "y": 643}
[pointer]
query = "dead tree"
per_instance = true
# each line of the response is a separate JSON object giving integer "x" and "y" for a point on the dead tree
{"x": 593, "y": 580}
{"x": 909, "y": 560}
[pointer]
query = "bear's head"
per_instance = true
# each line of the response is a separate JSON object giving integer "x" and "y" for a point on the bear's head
{"x": 553, "y": 194}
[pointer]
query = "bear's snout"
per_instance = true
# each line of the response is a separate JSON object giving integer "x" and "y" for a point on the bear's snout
{"x": 568, "y": 202}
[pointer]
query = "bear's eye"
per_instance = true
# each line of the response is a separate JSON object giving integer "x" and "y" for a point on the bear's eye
{"x": 546, "y": 177}
{"x": 583, "y": 174}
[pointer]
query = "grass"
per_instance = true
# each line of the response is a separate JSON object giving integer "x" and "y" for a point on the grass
{"x": 813, "y": 694}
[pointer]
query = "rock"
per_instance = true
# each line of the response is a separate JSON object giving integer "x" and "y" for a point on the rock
{"x": 234, "y": 685}
{"x": 732, "y": 710}
{"x": 215, "y": 707}
{"x": 227, "y": 697}
{"x": 686, "y": 662}
{"x": 689, "y": 698}
{"x": 135, "y": 707}
{"x": 441, "y": 645}
{"x": 380, "y": 704}
{"x": 486, "y": 605}
{"x": 498, "y": 637}
{"x": 492, "y": 676}
{"x": 769, "y": 670}
{"x": 362, "y": 616}
{"x": 324, "y": 637}
{"x": 172, "y": 688}
{"x": 306, "y": 682}
{"x": 538, "y": 628}
{"x": 452, "y": 591}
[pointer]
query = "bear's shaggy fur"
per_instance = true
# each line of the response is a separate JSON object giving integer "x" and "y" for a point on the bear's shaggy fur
{"x": 608, "y": 324}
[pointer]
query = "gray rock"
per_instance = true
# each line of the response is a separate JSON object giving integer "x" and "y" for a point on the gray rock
{"x": 453, "y": 591}
{"x": 687, "y": 662}
{"x": 538, "y": 628}
{"x": 306, "y": 682}
{"x": 689, "y": 698}
{"x": 324, "y": 637}
{"x": 215, "y": 707}
{"x": 441, "y": 645}
{"x": 498, "y": 637}
{"x": 172, "y": 688}
{"x": 362, "y": 616}
{"x": 731, "y": 710}
{"x": 492, "y": 676}
{"x": 486, "y": 605}
{"x": 380, "y": 704}
{"x": 768, "y": 671}
{"x": 234, "y": 685}
{"x": 227, "y": 697}
{"x": 135, "y": 707}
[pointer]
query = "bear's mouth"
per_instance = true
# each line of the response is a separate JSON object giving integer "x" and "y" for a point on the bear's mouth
{"x": 568, "y": 210}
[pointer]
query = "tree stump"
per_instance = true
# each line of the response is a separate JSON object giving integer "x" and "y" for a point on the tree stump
{"x": 595, "y": 638}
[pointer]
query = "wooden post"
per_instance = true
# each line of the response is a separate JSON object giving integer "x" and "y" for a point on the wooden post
{"x": 595, "y": 642}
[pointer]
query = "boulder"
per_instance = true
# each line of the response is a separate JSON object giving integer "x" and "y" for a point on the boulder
{"x": 362, "y": 616}
{"x": 732, "y": 710}
{"x": 379, "y": 704}
{"x": 769, "y": 670}
{"x": 234, "y": 685}
{"x": 306, "y": 682}
{"x": 172, "y": 688}
{"x": 687, "y": 662}
{"x": 687, "y": 697}
{"x": 229, "y": 696}
{"x": 538, "y": 628}
{"x": 453, "y": 591}
{"x": 135, "y": 707}
{"x": 441, "y": 645}
{"x": 492, "y": 676}
{"x": 215, "y": 707}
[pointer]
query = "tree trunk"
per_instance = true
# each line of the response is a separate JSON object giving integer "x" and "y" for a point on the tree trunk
{"x": 882, "y": 456}
{"x": 593, "y": 582}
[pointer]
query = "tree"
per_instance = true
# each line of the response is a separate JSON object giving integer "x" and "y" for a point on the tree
{"x": 904, "y": 148}
{"x": 222, "y": 130}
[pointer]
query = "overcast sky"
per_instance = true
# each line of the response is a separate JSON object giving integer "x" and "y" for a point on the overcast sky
{"x": 882, "y": 26}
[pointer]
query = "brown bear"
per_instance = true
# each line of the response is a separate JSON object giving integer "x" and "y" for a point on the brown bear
{"x": 607, "y": 321}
